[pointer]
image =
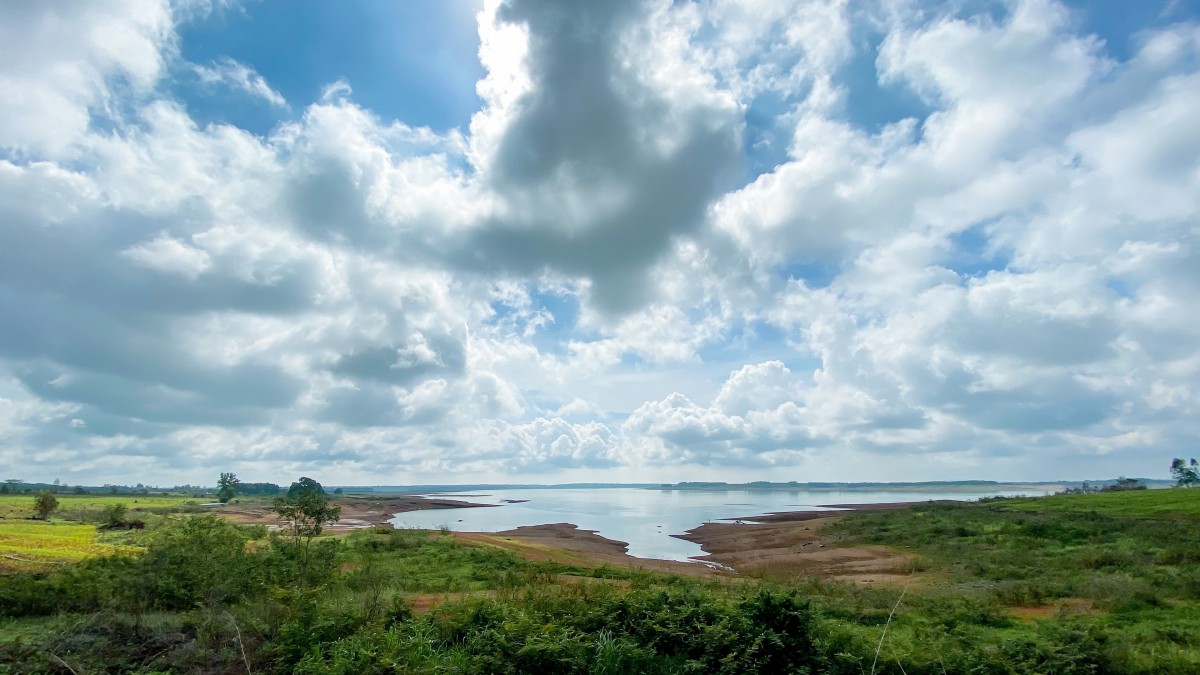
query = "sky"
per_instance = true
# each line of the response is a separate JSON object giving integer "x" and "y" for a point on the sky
{"x": 545, "y": 241}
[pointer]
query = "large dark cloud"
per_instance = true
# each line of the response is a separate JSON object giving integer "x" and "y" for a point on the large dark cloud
{"x": 590, "y": 188}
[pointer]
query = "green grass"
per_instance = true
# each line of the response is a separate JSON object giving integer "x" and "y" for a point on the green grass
{"x": 21, "y": 506}
{"x": 33, "y": 545}
{"x": 1123, "y": 565}
{"x": 421, "y": 561}
{"x": 1173, "y": 503}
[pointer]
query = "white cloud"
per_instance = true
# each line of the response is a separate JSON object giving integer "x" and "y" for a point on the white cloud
{"x": 60, "y": 65}
{"x": 238, "y": 76}
{"x": 170, "y": 256}
{"x": 585, "y": 282}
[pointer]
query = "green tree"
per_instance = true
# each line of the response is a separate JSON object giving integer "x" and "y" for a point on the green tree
{"x": 307, "y": 510}
{"x": 113, "y": 516}
{"x": 44, "y": 504}
{"x": 1124, "y": 484}
{"x": 227, "y": 487}
{"x": 1186, "y": 474}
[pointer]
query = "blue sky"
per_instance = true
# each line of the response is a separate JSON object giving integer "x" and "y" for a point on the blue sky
{"x": 536, "y": 241}
{"x": 414, "y": 62}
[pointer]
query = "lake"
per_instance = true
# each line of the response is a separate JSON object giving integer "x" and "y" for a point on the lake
{"x": 646, "y": 518}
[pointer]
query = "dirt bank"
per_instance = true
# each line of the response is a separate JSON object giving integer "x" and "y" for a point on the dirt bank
{"x": 357, "y": 511}
{"x": 566, "y": 543}
{"x": 794, "y": 516}
{"x": 776, "y": 545}
{"x": 792, "y": 544}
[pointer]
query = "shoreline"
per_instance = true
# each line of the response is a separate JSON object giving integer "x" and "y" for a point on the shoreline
{"x": 568, "y": 544}
{"x": 775, "y": 544}
{"x": 789, "y": 544}
{"x": 833, "y": 509}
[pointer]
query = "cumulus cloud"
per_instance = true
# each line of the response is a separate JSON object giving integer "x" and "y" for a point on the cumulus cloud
{"x": 665, "y": 247}
{"x": 596, "y": 164}
{"x": 62, "y": 65}
{"x": 170, "y": 256}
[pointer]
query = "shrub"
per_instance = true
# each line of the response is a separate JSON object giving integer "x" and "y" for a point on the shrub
{"x": 44, "y": 504}
{"x": 113, "y": 516}
{"x": 201, "y": 560}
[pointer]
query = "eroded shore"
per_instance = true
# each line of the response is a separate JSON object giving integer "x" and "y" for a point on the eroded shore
{"x": 778, "y": 544}
{"x": 796, "y": 544}
{"x": 566, "y": 543}
{"x": 783, "y": 544}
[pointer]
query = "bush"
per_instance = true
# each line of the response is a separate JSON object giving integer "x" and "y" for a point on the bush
{"x": 201, "y": 560}
{"x": 90, "y": 586}
{"x": 113, "y": 516}
{"x": 44, "y": 504}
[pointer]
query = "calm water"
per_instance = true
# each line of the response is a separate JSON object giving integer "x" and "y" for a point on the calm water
{"x": 646, "y": 518}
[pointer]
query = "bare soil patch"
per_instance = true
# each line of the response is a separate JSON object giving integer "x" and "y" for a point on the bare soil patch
{"x": 791, "y": 545}
{"x": 567, "y": 544}
{"x": 1064, "y": 607}
{"x": 423, "y": 602}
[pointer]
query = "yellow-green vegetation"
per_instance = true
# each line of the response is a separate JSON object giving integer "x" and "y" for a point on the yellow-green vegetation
{"x": 31, "y": 545}
{"x": 1057, "y": 585}
{"x": 73, "y": 507}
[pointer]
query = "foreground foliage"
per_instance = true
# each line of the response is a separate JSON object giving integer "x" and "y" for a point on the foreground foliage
{"x": 1065, "y": 585}
{"x": 1123, "y": 568}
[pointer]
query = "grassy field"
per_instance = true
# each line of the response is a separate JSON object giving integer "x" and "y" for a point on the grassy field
{"x": 70, "y": 505}
{"x": 1125, "y": 565}
{"x": 1174, "y": 504}
{"x": 36, "y": 545}
{"x": 71, "y": 535}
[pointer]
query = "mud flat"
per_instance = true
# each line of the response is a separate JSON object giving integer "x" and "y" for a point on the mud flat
{"x": 792, "y": 544}
{"x": 566, "y": 543}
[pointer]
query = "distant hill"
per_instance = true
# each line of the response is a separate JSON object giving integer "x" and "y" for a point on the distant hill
{"x": 422, "y": 489}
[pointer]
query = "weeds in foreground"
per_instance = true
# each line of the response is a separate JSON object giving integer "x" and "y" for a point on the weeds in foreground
{"x": 1026, "y": 591}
